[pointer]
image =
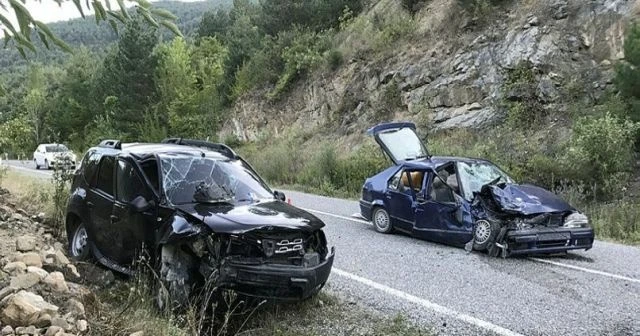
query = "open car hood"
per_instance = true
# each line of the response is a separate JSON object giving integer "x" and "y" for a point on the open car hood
{"x": 527, "y": 199}
{"x": 399, "y": 141}
{"x": 227, "y": 218}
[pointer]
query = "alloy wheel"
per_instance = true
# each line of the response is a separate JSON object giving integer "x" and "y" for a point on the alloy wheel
{"x": 482, "y": 231}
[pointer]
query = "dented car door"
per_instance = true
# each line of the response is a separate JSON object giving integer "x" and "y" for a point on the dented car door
{"x": 441, "y": 214}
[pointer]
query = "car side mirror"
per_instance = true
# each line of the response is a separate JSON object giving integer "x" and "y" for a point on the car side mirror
{"x": 279, "y": 195}
{"x": 140, "y": 204}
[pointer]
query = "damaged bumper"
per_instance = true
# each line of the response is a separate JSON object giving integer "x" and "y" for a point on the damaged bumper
{"x": 275, "y": 281}
{"x": 549, "y": 240}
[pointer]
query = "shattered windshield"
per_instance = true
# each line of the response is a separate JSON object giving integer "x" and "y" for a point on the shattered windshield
{"x": 190, "y": 179}
{"x": 57, "y": 149}
{"x": 474, "y": 175}
{"x": 403, "y": 144}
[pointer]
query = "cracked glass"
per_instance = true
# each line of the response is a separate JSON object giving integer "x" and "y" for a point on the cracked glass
{"x": 475, "y": 175}
{"x": 206, "y": 179}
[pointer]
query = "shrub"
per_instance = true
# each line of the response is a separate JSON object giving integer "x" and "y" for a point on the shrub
{"x": 524, "y": 108}
{"x": 334, "y": 59}
{"x": 303, "y": 55}
{"x": 413, "y": 6}
{"x": 627, "y": 77}
{"x": 601, "y": 151}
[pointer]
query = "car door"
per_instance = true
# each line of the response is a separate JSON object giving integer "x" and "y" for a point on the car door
{"x": 100, "y": 199}
{"x": 135, "y": 227}
{"x": 441, "y": 213}
{"x": 400, "y": 202}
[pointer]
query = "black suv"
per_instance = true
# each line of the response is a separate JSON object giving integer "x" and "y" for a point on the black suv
{"x": 202, "y": 214}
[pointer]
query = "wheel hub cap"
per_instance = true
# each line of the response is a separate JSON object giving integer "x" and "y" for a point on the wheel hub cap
{"x": 381, "y": 219}
{"x": 79, "y": 241}
{"x": 483, "y": 231}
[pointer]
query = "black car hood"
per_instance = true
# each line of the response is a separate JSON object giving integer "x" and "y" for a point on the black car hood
{"x": 237, "y": 219}
{"x": 528, "y": 199}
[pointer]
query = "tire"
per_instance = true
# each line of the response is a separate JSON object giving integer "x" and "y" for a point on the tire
{"x": 381, "y": 220}
{"x": 484, "y": 234}
{"x": 36, "y": 162}
{"x": 46, "y": 164}
{"x": 79, "y": 243}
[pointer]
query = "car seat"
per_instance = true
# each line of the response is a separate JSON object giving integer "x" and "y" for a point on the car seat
{"x": 416, "y": 179}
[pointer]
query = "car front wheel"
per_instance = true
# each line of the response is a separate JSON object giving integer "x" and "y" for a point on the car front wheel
{"x": 79, "y": 243}
{"x": 381, "y": 220}
{"x": 36, "y": 162}
{"x": 484, "y": 234}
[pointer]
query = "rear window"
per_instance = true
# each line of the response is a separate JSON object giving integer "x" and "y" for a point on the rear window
{"x": 56, "y": 148}
{"x": 104, "y": 181}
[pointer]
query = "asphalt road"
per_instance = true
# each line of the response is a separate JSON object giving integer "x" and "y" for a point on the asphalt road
{"x": 596, "y": 292}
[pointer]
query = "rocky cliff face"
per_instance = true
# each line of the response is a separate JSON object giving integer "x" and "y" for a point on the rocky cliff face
{"x": 452, "y": 72}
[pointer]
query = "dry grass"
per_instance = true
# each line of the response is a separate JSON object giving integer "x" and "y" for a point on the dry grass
{"x": 31, "y": 193}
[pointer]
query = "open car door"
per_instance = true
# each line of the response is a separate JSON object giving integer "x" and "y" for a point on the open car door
{"x": 399, "y": 141}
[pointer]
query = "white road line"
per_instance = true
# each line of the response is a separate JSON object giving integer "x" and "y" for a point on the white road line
{"x": 586, "y": 270}
{"x": 550, "y": 262}
{"x": 337, "y": 216}
{"x": 428, "y": 304}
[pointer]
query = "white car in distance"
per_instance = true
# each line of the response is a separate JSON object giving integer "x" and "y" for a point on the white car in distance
{"x": 47, "y": 155}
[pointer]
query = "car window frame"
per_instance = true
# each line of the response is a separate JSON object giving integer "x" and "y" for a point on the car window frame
{"x": 139, "y": 173}
{"x": 94, "y": 185}
{"x": 90, "y": 180}
{"x": 433, "y": 176}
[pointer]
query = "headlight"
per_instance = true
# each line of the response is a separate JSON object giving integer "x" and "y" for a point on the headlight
{"x": 576, "y": 220}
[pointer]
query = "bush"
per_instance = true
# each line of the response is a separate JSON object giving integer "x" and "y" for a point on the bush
{"x": 413, "y": 6}
{"x": 524, "y": 108}
{"x": 601, "y": 151}
{"x": 334, "y": 59}
{"x": 303, "y": 55}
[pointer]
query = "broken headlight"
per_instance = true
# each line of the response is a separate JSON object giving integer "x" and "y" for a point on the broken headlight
{"x": 576, "y": 220}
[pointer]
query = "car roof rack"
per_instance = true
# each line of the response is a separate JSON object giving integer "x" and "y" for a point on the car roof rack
{"x": 115, "y": 144}
{"x": 216, "y": 147}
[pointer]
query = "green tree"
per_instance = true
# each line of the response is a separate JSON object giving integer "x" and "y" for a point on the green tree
{"x": 188, "y": 81}
{"x": 215, "y": 24}
{"x": 128, "y": 73}
{"x": 16, "y": 136}
{"x": 75, "y": 105}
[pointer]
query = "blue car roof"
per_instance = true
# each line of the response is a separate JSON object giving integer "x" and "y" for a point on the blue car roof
{"x": 436, "y": 162}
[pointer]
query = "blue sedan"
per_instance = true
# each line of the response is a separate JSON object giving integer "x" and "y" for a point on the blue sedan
{"x": 465, "y": 202}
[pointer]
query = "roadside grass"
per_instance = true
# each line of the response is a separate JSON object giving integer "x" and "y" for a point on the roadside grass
{"x": 127, "y": 306}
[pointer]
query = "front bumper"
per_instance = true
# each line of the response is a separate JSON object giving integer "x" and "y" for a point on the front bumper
{"x": 274, "y": 281}
{"x": 549, "y": 240}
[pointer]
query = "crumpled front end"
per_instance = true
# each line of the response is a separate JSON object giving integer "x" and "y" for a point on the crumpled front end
{"x": 285, "y": 265}
{"x": 530, "y": 220}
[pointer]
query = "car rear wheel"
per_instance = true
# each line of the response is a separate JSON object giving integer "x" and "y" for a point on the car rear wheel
{"x": 484, "y": 234}
{"x": 79, "y": 248}
{"x": 381, "y": 220}
{"x": 46, "y": 164}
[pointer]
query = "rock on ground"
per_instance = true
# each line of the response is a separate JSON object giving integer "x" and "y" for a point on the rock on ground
{"x": 26, "y": 308}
